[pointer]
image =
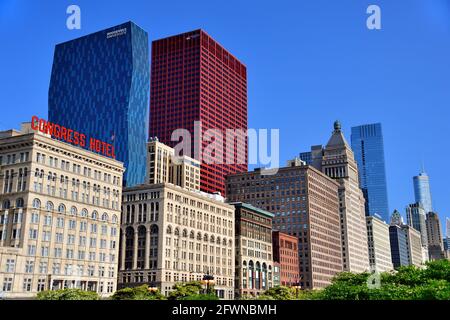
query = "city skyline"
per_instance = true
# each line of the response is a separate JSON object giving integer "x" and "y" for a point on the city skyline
{"x": 250, "y": 46}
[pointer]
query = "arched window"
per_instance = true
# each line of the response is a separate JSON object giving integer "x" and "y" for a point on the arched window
{"x": 205, "y": 237}
{"x": 250, "y": 274}
{"x": 36, "y": 203}
{"x": 61, "y": 208}
{"x": 19, "y": 203}
{"x": 212, "y": 239}
{"x": 244, "y": 274}
{"x": 84, "y": 213}
{"x": 114, "y": 218}
{"x": 257, "y": 276}
{"x": 192, "y": 235}
{"x": 199, "y": 236}
{"x": 7, "y": 204}
{"x": 154, "y": 229}
{"x": 94, "y": 215}
{"x": 49, "y": 206}
{"x": 169, "y": 230}
{"x": 184, "y": 233}
{"x": 73, "y": 211}
{"x": 177, "y": 232}
{"x": 104, "y": 216}
{"x": 218, "y": 240}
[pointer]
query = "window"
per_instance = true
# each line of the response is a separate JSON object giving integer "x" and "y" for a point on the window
{"x": 41, "y": 285}
{"x": 49, "y": 206}
{"x": 10, "y": 265}
{"x": 36, "y": 203}
{"x": 60, "y": 222}
{"x": 61, "y": 208}
{"x": 7, "y": 284}
{"x": 29, "y": 266}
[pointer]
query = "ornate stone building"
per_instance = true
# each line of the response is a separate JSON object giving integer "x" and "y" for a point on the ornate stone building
{"x": 59, "y": 216}
{"x": 170, "y": 234}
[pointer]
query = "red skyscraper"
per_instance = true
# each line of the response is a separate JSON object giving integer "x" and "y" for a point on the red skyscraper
{"x": 194, "y": 79}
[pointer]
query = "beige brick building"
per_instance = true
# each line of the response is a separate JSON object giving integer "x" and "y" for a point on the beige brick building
{"x": 380, "y": 258}
{"x": 164, "y": 167}
{"x": 170, "y": 234}
{"x": 59, "y": 216}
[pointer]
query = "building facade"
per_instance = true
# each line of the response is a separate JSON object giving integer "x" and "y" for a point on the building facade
{"x": 306, "y": 205}
{"x": 59, "y": 216}
{"x": 338, "y": 162}
{"x": 416, "y": 218}
{"x": 422, "y": 191}
{"x": 100, "y": 86}
{"x": 399, "y": 246}
{"x": 368, "y": 148}
{"x": 285, "y": 253}
{"x": 171, "y": 235}
{"x": 254, "y": 259}
{"x": 164, "y": 167}
{"x": 380, "y": 256}
{"x": 435, "y": 243}
{"x": 196, "y": 81}
{"x": 414, "y": 246}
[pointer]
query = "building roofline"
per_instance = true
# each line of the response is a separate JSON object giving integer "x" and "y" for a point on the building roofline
{"x": 250, "y": 207}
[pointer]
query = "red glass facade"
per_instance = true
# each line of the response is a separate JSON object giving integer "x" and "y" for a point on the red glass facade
{"x": 193, "y": 78}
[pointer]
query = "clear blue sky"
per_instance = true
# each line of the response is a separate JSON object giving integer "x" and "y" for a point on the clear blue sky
{"x": 309, "y": 63}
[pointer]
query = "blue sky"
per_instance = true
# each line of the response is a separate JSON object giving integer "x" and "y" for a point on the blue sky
{"x": 309, "y": 63}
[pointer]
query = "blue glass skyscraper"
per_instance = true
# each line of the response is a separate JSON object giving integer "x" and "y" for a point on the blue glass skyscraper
{"x": 100, "y": 86}
{"x": 368, "y": 148}
{"x": 422, "y": 192}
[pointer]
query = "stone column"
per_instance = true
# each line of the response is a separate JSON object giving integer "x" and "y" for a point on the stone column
{"x": 135, "y": 249}
{"x": 123, "y": 250}
{"x": 147, "y": 249}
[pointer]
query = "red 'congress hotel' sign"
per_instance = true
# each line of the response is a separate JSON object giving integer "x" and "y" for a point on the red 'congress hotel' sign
{"x": 72, "y": 136}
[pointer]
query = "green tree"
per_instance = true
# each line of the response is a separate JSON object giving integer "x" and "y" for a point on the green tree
{"x": 430, "y": 282}
{"x": 200, "y": 297}
{"x": 137, "y": 293}
{"x": 67, "y": 294}
{"x": 278, "y": 293}
{"x": 185, "y": 289}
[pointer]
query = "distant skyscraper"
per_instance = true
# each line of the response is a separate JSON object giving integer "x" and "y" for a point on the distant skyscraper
{"x": 100, "y": 87}
{"x": 435, "y": 243}
{"x": 368, "y": 147}
{"x": 422, "y": 191}
{"x": 194, "y": 79}
{"x": 416, "y": 218}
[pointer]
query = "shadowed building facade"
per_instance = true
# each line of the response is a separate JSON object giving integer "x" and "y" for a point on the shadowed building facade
{"x": 254, "y": 260}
